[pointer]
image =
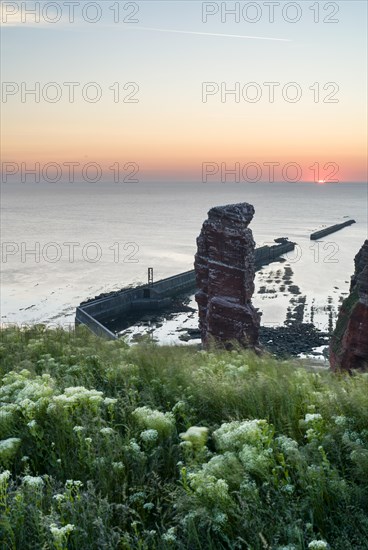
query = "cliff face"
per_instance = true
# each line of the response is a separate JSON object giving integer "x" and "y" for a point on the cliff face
{"x": 224, "y": 266}
{"x": 349, "y": 342}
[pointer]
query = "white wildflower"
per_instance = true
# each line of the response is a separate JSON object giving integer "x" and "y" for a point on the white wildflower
{"x": 8, "y": 447}
{"x": 60, "y": 533}
{"x": 6, "y": 415}
{"x": 288, "y": 446}
{"x": 220, "y": 518}
{"x": 317, "y": 545}
{"x": 179, "y": 407}
{"x": 28, "y": 407}
{"x": 312, "y": 417}
{"x": 109, "y": 401}
{"x": 23, "y": 393}
{"x": 118, "y": 466}
{"x": 340, "y": 420}
{"x": 186, "y": 445}
{"x": 169, "y": 536}
{"x": 95, "y": 399}
{"x": 77, "y": 395}
{"x": 138, "y": 496}
{"x": 310, "y": 434}
{"x": 209, "y": 486}
{"x": 70, "y": 483}
{"x": 149, "y": 435}
{"x": 196, "y": 435}
{"x": 81, "y": 390}
{"x": 107, "y": 431}
{"x": 233, "y": 435}
{"x": 352, "y": 436}
{"x": 4, "y": 476}
{"x": 254, "y": 460}
{"x": 133, "y": 445}
{"x": 78, "y": 429}
{"x": 224, "y": 466}
{"x": 33, "y": 481}
{"x": 164, "y": 423}
{"x": 243, "y": 368}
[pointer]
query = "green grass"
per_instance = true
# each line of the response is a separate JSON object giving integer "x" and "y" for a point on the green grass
{"x": 96, "y": 450}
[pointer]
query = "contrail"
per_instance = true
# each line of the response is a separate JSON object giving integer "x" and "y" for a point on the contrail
{"x": 210, "y": 34}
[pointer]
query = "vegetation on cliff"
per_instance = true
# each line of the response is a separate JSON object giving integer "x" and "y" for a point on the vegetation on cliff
{"x": 105, "y": 446}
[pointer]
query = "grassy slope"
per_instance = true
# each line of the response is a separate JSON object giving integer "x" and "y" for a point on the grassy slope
{"x": 283, "y": 482}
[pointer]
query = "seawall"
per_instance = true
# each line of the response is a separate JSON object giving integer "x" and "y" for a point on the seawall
{"x": 155, "y": 296}
{"x": 323, "y": 232}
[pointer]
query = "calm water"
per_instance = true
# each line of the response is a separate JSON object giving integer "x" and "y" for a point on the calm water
{"x": 64, "y": 243}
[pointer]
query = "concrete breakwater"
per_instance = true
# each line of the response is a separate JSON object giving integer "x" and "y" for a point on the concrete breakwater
{"x": 323, "y": 232}
{"x": 96, "y": 313}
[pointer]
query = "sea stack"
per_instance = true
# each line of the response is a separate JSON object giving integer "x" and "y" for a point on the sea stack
{"x": 349, "y": 342}
{"x": 225, "y": 269}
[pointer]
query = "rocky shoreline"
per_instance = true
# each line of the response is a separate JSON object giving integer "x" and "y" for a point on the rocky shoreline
{"x": 291, "y": 339}
{"x": 284, "y": 341}
{"x": 294, "y": 340}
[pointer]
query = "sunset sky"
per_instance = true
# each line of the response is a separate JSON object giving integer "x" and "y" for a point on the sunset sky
{"x": 170, "y": 132}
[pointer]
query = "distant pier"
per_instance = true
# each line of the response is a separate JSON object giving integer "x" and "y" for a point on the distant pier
{"x": 323, "y": 232}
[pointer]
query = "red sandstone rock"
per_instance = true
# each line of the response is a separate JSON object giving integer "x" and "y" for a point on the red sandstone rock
{"x": 349, "y": 342}
{"x": 225, "y": 270}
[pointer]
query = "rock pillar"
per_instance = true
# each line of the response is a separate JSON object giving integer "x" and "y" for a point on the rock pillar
{"x": 225, "y": 270}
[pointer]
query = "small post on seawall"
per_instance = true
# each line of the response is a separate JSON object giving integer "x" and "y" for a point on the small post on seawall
{"x": 150, "y": 276}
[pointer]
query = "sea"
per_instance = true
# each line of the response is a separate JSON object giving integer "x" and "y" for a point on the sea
{"x": 64, "y": 243}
